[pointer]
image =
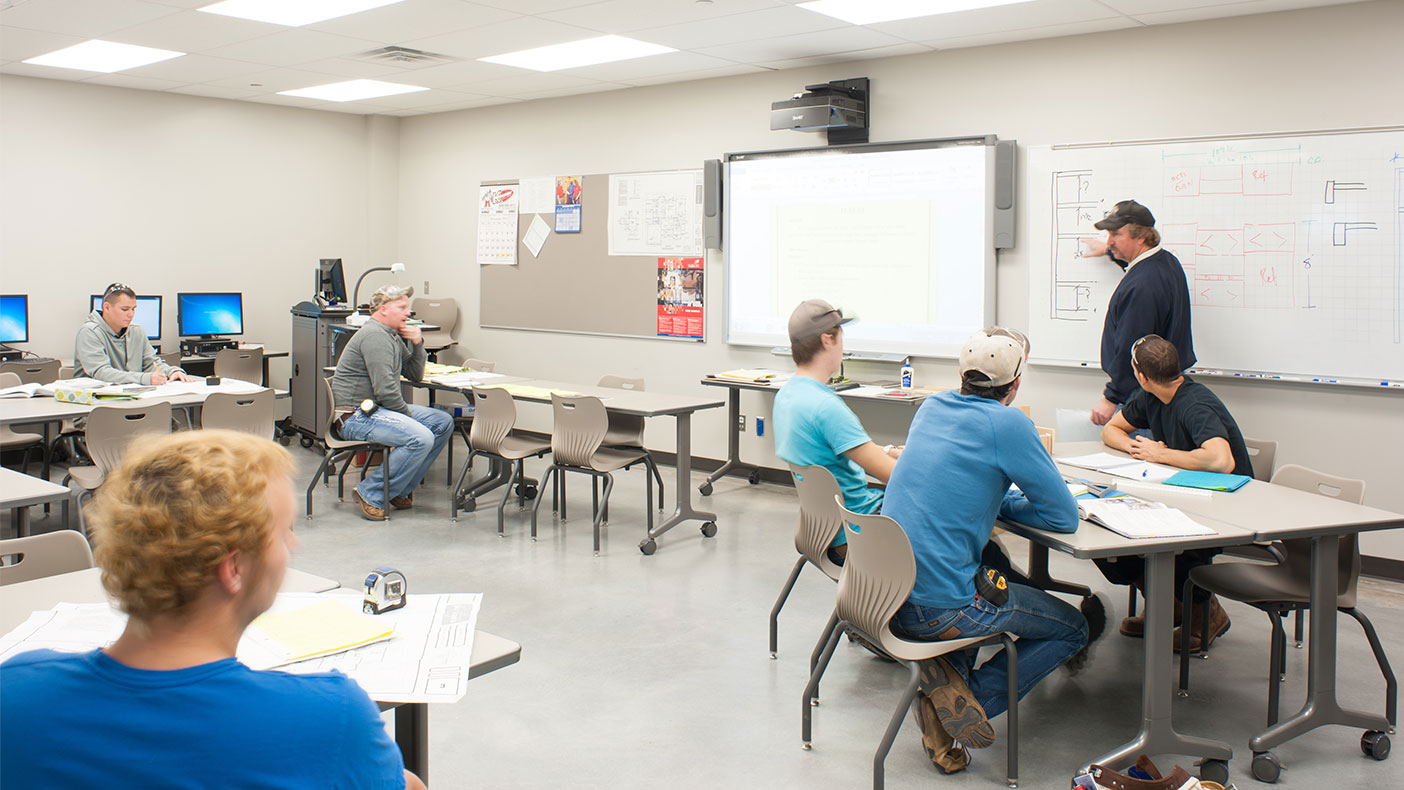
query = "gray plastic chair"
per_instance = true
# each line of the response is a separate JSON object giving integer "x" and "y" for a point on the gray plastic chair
{"x": 244, "y": 364}
{"x": 819, "y": 523}
{"x": 462, "y": 424}
{"x": 1262, "y": 452}
{"x": 110, "y": 430}
{"x": 33, "y": 372}
{"x": 627, "y": 430}
{"x": 441, "y": 311}
{"x": 492, "y": 436}
{"x": 1286, "y": 586}
{"x": 50, "y": 554}
{"x": 11, "y": 439}
{"x": 338, "y": 449}
{"x": 879, "y": 572}
{"x": 250, "y": 412}
{"x": 172, "y": 358}
{"x": 577, "y": 433}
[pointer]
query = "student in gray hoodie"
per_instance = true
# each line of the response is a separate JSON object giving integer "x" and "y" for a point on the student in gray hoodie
{"x": 111, "y": 348}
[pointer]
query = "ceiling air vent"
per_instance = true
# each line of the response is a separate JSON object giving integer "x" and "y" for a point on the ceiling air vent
{"x": 404, "y": 57}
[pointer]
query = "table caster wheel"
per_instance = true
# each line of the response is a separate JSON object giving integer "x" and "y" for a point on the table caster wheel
{"x": 1214, "y": 771}
{"x": 1266, "y": 767}
{"x": 754, "y": 477}
{"x": 709, "y": 529}
{"x": 306, "y": 442}
{"x": 705, "y": 489}
{"x": 526, "y": 490}
{"x": 285, "y": 440}
{"x": 648, "y": 546}
{"x": 467, "y": 505}
{"x": 1375, "y": 744}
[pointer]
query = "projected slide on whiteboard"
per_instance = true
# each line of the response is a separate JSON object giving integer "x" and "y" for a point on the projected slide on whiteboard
{"x": 899, "y": 234}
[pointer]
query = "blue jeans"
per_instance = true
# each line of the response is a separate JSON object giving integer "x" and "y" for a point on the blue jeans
{"x": 1049, "y": 631}
{"x": 415, "y": 440}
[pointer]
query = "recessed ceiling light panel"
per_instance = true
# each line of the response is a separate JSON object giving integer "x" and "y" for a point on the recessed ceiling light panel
{"x": 870, "y": 12}
{"x": 293, "y": 13}
{"x": 103, "y": 56}
{"x": 573, "y": 54}
{"x": 353, "y": 90}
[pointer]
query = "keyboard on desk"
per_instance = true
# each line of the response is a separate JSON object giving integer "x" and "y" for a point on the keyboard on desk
{"x": 34, "y": 360}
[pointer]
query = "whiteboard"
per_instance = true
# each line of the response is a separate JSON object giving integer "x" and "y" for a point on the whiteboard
{"x": 898, "y": 233}
{"x": 1293, "y": 247}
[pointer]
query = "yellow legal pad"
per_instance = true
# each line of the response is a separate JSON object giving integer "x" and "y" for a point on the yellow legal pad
{"x": 319, "y": 629}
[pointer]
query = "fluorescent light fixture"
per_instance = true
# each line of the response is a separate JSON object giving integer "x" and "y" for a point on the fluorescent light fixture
{"x": 586, "y": 52}
{"x": 293, "y": 13}
{"x": 869, "y": 12}
{"x": 353, "y": 90}
{"x": 103, "y": 56}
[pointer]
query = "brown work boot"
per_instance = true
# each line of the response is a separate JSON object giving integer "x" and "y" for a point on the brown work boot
{"x": 1135, "y": 627}
{"x": 955, "y": 705}
{"x": 1218, "y": 624}
{"x": 369, "y": 512}
{"x": 940, "y": 748}
{"x": 404, "y": 502}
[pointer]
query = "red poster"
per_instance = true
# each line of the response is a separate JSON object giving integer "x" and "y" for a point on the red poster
{"x": 680, "y": 289}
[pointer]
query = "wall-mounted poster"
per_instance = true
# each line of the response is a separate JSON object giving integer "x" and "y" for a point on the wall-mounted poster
{"x": 680, "y": 289}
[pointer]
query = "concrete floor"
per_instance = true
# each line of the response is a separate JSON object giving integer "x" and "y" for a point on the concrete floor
{"x": 648, "y": 672}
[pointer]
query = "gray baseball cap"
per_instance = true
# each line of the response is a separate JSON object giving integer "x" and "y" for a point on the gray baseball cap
{"x": 999, "y": 357}
{"x": 389, "y": 293}
{"x": 814, "y": 317}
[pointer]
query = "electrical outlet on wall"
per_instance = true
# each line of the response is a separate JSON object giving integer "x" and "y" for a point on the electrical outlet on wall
{"x": 426, "y": 287}
{"x": 741, "y": 423}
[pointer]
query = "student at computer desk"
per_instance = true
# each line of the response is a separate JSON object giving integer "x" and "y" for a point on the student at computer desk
{"x": 112, "y": 348}
{"x": 193, "y": 534}
{"x": 1190, "y": 429}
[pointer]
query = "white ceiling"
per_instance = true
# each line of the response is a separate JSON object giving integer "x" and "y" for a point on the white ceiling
{"x": 251, "y": 61}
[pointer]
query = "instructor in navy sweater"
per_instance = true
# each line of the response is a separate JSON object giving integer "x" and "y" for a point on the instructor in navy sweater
{"x": 1152, "y": 299}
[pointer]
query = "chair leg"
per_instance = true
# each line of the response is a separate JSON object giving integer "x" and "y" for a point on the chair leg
{"x": 895, "y": 723}
{"x": 516, "y": 467}
{"x": 321, "y": 469}
{"x": 1011, "y": 721}
{"x": 1391, "y": 687}
{"x": 551, "y": 472}
{"x": 384, "y": 480}
{"x": 599, "y": 512}
{"x": 658, "y": 478}
{"x": 829, "y": 629}
{"x": 812, "y": 689}
{"x": 1131, "y": 601}
{"x": 1301, "y": 622}
{"x": 648, "y": 506}
{"x": 780, "y": 603}
{"x": 1275, "y": 665}
{"x": 595, "y": 497}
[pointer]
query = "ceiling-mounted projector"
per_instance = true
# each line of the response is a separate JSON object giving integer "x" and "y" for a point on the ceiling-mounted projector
{"x": 836, "y": 107}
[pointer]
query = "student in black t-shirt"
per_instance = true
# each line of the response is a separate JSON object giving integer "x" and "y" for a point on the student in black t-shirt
{"x": 1190, "y": 429}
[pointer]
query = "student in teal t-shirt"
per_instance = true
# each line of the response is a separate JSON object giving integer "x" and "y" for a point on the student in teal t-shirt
{"x": 814, "y": 427}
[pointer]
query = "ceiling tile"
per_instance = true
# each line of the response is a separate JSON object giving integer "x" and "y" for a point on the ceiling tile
{"x": 1000, "y": 19}
{"x": 1169, "y": 17}
{"x": 274, "y": 80}
{"x": 43, "y": 72}
{"x": 893, "y": 51}
{"x": 502, "y": 37}
{"x": 192, "y": 31}
{"x": 358, "y": 69}
{"x": 527, "y": 82}
{"x": 292, "y": 47}
{"x": 623, "y": 16}
{"x": 126, "y": 80}
{"x": 769, "y": 23}
{"x": 85, "y": 18}
{"x": 600, "y": 87}
{"x": 412, "y": 20}
{"x": 460, "y": 73}
{"x": 404, "y": 113}
{"x": 826, "y": 42}
{"x": 183, "y": 3}
{"x": 196, "y": 68}
{"x": 288, "y": 101}
{"x": 214, "y": 91}
{"x": 469, "y": 104}
{"x": 707, "y": 74}
{"x": 1030, "y": 34}
{"x": 21, "y": 44}
{"x": 425, "y": 99}
{"x": 666, "y": 63}
{"x": 534, "y": 6}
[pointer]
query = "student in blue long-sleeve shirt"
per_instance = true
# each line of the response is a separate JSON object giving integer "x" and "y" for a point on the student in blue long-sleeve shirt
{"x": 963, "y": 451}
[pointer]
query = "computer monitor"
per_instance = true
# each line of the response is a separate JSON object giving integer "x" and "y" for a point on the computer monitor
{"x": 209, "y": 314}
{"x": 14, "y": 318}
{"x": 331, "y": 281}
{"x": 148, "y": 313}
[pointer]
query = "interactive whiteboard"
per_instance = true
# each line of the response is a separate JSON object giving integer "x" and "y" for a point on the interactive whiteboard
{"x": 1293, "y": 247}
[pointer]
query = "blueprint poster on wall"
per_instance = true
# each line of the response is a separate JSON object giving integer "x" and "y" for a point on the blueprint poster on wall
{"x": 656, "y": 213}
{"x": 680, "y": 289}
{"x": 497, "y": 224}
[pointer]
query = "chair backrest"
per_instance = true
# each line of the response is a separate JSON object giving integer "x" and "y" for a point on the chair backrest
{"x": 49, "y": 554}
{"x": 494, "y": 416}
{"x": 1298, "y": 550}
{"x": 879, "y": 572}
{"x": 620, "y": 424}
{"x": 480, "y": 365}
{"x": 65, "y": 371}
{"x": 329, "y": 437}
{"x": 622, "y": 382}
{"x": 171, "y": 358}
{"x": 1262, "y": 453}
{"x": 33, "y": 372}
{"x": 441, "y": 311}
{"x": 245, "y": 364}
{"x": 250, "y": 412}
{"x": 8, "y": 379}
{"x": 580, "y": 425}
{"x": 820, "y": 517}
{"x": 111, "y": 429}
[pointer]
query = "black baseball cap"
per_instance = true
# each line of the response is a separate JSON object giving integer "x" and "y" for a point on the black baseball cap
{"x": 1127, "y": 212}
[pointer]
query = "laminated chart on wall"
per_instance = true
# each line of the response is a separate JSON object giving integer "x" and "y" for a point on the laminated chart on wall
{"x": 656, "y": 213}
{"x": 1293, "y": 248}
{"x": 497, "y": 224}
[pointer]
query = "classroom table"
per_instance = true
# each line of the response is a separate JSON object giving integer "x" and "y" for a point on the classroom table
{"x": 1273, "y": 513}
{"x": 490, "y": 652}
{"x": 735, "y": 429}
{"x": 18, "y": 491}
{"x": 644, "y": 404}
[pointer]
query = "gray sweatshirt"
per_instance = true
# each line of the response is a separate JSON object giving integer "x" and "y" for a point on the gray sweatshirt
{"x": 101, "y": 353}
{"x": 371, "y": 366}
